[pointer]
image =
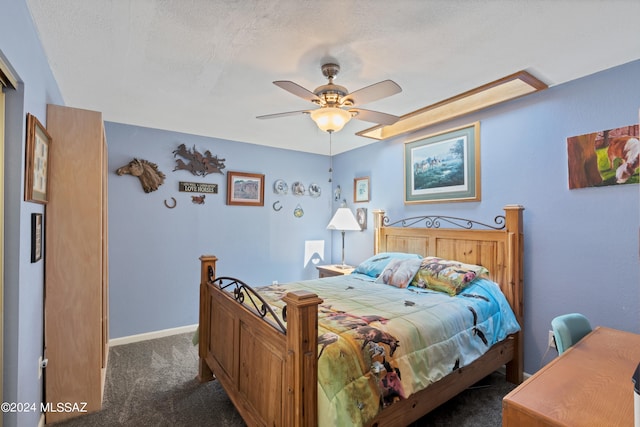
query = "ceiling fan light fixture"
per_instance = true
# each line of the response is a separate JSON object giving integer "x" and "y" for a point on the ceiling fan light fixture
{"x": 336, "y": 101}
{"x": 330, "y": 119}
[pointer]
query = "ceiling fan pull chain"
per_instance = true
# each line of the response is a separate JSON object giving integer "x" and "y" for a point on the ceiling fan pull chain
{"x": 330, "y": 159}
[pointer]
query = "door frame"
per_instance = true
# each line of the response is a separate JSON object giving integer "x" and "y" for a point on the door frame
{"x": 7, "y": 81}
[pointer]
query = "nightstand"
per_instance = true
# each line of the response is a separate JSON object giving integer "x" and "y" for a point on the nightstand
{"x": 333, "y": 270}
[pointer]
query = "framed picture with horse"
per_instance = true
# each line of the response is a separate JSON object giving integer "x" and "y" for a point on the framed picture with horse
{"x": 443, "y": 167}
{"x": 245, "y": 189}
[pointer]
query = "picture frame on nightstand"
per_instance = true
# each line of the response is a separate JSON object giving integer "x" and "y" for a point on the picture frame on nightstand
{"x": 334, "y": 270}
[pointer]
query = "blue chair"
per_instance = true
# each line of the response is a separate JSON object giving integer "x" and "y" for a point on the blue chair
{"x": 568, "y": 329}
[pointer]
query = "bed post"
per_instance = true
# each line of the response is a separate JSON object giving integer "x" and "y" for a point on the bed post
{"x": 514, "y": 228}
{"x": 302, "y": 359}
{"x": 207, "y": 273}
{"x": 378, "y": 217}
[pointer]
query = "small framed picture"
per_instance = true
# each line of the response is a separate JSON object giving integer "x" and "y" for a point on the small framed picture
{"x": 36, "y": 237}
{"x": 361, "y": 189}
{"x": 245, "y": 189}
{"x": 37, "y": 161}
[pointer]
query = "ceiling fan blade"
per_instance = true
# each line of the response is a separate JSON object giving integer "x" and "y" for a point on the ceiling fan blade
{"x": 374, "y": 116}
{"x": 288, "y": 113}
{"x": 373, "y": 92}
{"x": 298, "y": 90}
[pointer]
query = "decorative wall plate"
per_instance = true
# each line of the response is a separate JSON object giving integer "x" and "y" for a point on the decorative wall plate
{"x": 314, "y": 190}
{"x": 361, "y": 217}
{"x": 297, "y": 188}
{"x": 280, "y": 187}
{"x": 298, "y": 212}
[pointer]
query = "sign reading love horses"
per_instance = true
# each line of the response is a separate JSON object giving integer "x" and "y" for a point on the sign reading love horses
{"x": 198, "y": 187}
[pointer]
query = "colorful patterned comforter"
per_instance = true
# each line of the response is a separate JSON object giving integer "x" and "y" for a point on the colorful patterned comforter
{"x": 378, "y": 343}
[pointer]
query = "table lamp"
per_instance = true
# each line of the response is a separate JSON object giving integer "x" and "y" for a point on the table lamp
{"x": 343, "y": 220}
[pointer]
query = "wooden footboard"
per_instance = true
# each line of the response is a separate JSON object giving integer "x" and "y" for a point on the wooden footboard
{"x": 270, "y": 371}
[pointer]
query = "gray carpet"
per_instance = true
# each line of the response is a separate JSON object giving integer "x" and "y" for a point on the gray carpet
{"x": 152, "y": 383}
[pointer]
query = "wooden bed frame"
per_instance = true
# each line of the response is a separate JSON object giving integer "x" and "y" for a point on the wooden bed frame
{"x": 270, "y": 372}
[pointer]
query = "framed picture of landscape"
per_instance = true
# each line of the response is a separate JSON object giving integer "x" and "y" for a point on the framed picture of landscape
{"x": 245, "y": 189}
{"x": 444, "y": 167}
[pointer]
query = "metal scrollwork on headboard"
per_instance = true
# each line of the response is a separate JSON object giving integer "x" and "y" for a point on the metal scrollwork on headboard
{"x": 435, "y": 221}
{"x": 246, "y": 295}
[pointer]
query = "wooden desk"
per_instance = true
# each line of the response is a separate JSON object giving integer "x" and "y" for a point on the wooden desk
{"x": 588, "y": 385}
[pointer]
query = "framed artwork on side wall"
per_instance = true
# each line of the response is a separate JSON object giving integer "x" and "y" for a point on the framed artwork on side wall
{"x": 36, "y": 162}
{"x": 607, "y": 157}
{"x": 444, "y": 167}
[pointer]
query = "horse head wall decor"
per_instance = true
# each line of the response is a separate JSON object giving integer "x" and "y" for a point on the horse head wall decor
{"x": 150, "y": 177}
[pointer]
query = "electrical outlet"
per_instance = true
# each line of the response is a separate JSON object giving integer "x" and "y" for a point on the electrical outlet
{"x": 42, "y": 363}
{"x": 552, "y": 341}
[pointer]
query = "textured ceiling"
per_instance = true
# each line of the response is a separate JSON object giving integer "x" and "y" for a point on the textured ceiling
{"x": 206, "y": 67}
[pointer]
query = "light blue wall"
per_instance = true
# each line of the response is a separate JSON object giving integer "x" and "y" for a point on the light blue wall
{"x": 153, "y": 250}
{"x": 23, "y": 281}
{"x": 581, "y": 246}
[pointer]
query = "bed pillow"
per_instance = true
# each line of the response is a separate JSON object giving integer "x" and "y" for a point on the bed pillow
{"x": 373, "y": 266}
{"x": 447, "y": 276}
{"x": 399, "y": 272}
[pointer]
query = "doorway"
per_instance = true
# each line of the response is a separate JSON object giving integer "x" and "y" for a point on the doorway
{"x": 7, "y": 82}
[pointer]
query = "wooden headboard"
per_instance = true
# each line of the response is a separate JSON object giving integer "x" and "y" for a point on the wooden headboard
{"x": 497, "y": 246}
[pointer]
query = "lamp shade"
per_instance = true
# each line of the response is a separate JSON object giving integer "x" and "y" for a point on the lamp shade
{"x": 330, "y": 119}
{"x": 343, "y": 220}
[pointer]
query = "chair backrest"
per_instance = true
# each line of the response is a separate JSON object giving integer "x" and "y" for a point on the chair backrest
{"x": 568, "y": 329}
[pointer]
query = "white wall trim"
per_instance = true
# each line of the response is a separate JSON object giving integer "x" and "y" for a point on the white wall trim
{"x": 151, "y": 335}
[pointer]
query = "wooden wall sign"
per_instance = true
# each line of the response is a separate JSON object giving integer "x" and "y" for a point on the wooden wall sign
{"x": 198, "y": 187}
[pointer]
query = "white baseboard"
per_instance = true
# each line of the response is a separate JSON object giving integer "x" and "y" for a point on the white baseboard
{"x": 151, "y": 335}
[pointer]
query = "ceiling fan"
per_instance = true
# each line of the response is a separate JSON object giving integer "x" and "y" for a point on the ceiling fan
{"x": 337, "y": 105}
